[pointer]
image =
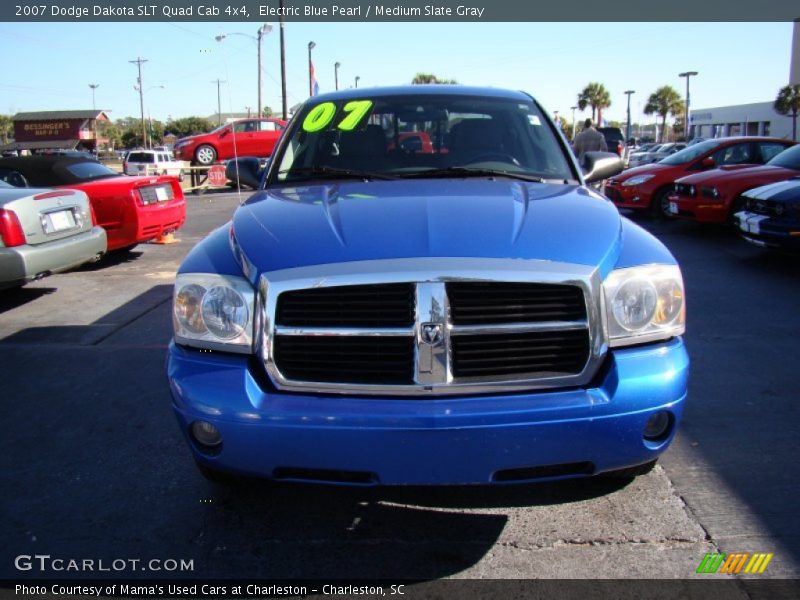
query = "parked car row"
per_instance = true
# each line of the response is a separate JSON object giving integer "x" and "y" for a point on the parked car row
{"x": 57, "y": 212}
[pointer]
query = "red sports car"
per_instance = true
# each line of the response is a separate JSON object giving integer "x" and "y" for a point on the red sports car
{"x": 648, "y": 187}
{"x": 130, "y": 209}
{"x": 247, "y": 137}
{"x": 715, "y": 196}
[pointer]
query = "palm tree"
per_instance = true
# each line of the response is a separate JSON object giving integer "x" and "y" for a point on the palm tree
{"x": 595, "y": 95}
{"x": 788, "y": 103}
{"x": 664, "y": 101}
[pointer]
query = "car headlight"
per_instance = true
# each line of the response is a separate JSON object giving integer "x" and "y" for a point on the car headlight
{"x": 213, "y": 312}
{"x": 181, "y": 144}
{"x": 644, "y": 304}
{"x": 638, "y": 179}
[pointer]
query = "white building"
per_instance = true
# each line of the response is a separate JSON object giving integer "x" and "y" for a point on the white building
{"x": 758, "y": 118}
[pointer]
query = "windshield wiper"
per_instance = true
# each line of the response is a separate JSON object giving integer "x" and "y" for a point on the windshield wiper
{"x": 470, "y": 172}
{"x": 334, "y": 173}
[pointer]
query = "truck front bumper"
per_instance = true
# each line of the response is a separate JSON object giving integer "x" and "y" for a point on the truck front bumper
{"x": 453, "y": 440}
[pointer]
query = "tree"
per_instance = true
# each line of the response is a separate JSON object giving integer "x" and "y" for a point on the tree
{"x": 597, "y": 96}
{"x": 430, "y": 78}
{"x": 188, "y": 126}
{"x": 267, "y": 112}
{"x": 6, "y": 128}
{"x": 664, "y": 101}
{"x": 788, "y": 103}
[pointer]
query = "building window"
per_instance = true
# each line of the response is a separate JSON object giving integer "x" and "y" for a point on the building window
{"x": 766, "y": 127}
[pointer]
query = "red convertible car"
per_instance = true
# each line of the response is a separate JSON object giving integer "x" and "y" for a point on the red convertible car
{"x": 130, "y": 209}
{"x": 648, "y": 187}
{"x": 247, "y": 137}
{"x": 716, "y": 196}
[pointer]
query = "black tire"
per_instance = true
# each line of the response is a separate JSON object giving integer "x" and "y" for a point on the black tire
{"x": 632, "y": 472}
{"x": 659, "y": 205}
{"x": 205, "y": 155}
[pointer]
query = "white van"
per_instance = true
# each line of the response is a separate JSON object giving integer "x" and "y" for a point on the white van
{"x": 152, "y": 162}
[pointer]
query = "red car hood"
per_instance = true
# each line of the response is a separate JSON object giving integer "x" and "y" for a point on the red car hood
{"x": 644, "y": 170}
{"x": 740, "y": 174}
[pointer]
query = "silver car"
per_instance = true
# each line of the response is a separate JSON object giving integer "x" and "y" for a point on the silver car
{"x": 45, "y": 231}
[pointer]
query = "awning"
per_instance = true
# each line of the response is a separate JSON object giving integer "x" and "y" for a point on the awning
{"x": 42, "y": 145}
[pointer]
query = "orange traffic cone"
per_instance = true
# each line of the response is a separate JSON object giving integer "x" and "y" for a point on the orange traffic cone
{"x": 166, "y": 238}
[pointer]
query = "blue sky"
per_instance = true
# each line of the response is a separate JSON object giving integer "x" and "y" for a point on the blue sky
{"x": 53, "y": 63}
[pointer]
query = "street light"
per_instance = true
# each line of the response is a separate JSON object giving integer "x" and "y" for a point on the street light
{"x": 687, "y": 74}
{"x": 311, "y": 46}
{"x": 336, "y": 73}
{"x": 628, "y": 124}
{"x": 94, "y": 86}
{"x": 357, "y": 78}
{"x": 573, "y": 108}
{"x": 262, "y": 31}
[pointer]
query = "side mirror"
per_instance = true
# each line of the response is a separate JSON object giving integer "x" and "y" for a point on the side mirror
{"x": 244, "y": 171}
{"x": 708, "y": 163}
{"x": 601, "y": 165}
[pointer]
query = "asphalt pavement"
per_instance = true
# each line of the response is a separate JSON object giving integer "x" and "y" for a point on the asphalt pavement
{"x": 94, "y": 466}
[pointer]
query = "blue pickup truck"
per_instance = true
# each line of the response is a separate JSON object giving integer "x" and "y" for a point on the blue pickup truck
{"x": 459, "y": 311}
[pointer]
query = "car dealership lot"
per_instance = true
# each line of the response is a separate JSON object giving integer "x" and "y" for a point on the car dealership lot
{"x": 99, "y": 468}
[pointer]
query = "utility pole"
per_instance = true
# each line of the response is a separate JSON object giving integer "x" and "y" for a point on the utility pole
{"x": 336, "y": 66}
{"x": 219, "y": 83}
{"x": 283, "y": 64}
{"x": 139, "y": 62}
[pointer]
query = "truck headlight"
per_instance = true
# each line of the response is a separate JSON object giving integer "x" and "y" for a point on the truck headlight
{"x": 644, "y": 304}
{"x": 213, "y": 312}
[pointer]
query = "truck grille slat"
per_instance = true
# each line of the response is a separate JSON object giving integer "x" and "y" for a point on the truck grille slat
{"x": 346, "y": 359}
{"x": 486, "y": 302}
{"x": 390, "y": 305}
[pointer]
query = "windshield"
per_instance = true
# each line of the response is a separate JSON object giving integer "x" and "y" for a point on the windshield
{"x": 90, "y": 170}
{"x": 689, "y": 153}
{"x": 142, "y": 157}
{"x": 788, "y": 159}
{"x": 421, "y": 135}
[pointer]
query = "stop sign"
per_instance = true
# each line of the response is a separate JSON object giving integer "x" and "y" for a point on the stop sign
{"x": 216, "y": 176}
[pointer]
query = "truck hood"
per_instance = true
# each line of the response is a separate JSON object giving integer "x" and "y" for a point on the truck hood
{"x": 744, "y": 172}
{"x": 355, "y": 221}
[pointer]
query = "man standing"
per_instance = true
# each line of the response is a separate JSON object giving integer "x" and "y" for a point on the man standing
{"x": 589, "y": 140}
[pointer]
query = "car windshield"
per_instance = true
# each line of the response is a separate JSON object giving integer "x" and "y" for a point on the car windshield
{"x": 388, "y": 137}
{"x": 788, "y": 159}
{"x": 90, "y": 170}
{"x": 690, "y": 153}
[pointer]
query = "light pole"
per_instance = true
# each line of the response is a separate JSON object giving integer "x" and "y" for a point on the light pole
{"x": 283, "y": 64}
{"x": 262, "y": 31}
{"x": 336, "y": 73}
{"x": 357, "y": 78}
{"x": 311, "y": 46}
{"x": 94, "y": 86}
{"x": 688, "y": 75}
{"x": 628, "y": 122}
{"x": 573, "y": 108}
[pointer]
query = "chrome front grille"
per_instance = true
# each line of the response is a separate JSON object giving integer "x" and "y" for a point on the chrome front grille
{"x": 430, "y": 326}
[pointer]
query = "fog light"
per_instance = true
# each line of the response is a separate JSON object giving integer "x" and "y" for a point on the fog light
{"x": 658, "y": 426}
{"x": 206, "y": 434}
